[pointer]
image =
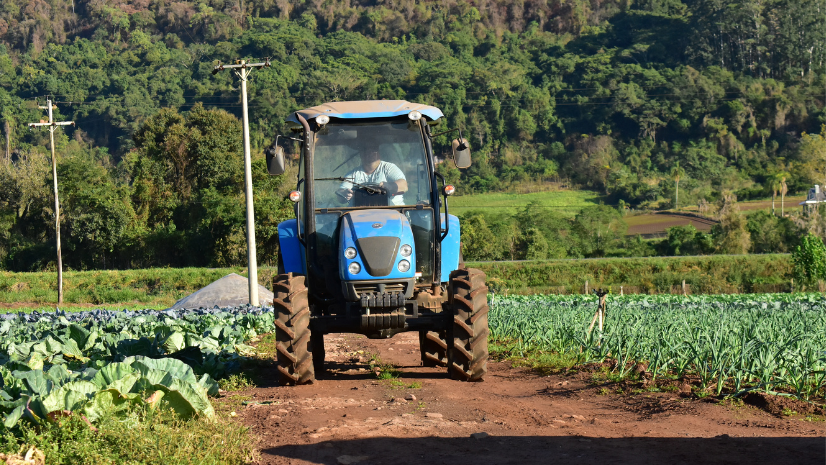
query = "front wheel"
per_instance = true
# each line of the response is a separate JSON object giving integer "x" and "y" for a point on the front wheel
{"x": 469, "y": 301}
{"x": 292, "y": 330}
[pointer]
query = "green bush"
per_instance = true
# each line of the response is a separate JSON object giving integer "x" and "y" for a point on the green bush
{"x": 809, "y": 260}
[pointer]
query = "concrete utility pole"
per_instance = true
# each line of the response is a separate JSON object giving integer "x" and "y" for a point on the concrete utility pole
{"x": 52, "y": 125}
{"x": 242, "y": 70}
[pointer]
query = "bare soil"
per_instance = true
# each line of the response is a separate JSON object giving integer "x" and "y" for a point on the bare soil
{"x": 515, "y": 416}
{"x": 656, "y": 224}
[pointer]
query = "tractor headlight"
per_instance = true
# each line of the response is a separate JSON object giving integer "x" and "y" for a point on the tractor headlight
{"x": 350, "y": 253}
{"x": 414, "y": 115}
{"x": 406, "y": 250}
{"x": 321, "y": 120}
{"x": 404, "y": 266}
{"x": 354, "y": 268}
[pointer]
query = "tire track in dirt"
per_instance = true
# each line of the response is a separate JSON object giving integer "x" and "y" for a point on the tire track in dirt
{"x": 516, "y": 416}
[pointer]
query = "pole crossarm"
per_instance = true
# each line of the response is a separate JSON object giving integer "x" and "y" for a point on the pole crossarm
{"x": 241, "y": 64}
{"x": 56, "y": 123}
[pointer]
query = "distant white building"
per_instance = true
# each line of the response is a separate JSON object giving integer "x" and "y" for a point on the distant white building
{"x": 816, "y": 196}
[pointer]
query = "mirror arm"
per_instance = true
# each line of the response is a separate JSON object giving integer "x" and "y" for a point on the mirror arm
{"x": 446, "y": 132}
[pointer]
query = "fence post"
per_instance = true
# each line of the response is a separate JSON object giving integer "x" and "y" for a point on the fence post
{"x": 684, "y": 293}
{"x": 586, "y": 286}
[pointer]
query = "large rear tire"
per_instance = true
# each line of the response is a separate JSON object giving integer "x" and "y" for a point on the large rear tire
{"x": 469, "y": 301}
{"x": 318, "y": 352}
{"x": 292, "y": 330}
{"x": 433, "y": 346}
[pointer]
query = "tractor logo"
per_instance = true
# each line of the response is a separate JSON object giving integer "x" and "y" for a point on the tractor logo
{"x": 377, "y": 225}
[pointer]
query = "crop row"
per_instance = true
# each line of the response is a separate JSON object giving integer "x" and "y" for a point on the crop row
{"x": 102, "y": 361}
{"x": 730, "y": 344}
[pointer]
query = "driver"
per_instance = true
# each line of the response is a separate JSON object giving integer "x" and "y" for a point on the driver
{"x": 374, "y": 170}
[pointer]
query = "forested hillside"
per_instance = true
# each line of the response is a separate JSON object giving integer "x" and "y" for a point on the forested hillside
{"x": 623, "y": 97}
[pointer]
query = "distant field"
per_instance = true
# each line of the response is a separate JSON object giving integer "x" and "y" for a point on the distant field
{"x": 766, "y": 204}
{"x": 652, "y": 225}
{"x": 564, "y": 202}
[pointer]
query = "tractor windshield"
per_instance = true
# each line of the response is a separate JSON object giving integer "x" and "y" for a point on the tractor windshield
{"x": 370, "y": 164}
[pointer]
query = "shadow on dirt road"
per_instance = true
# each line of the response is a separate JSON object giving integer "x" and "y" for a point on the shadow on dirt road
{"x": 555, "y": 449}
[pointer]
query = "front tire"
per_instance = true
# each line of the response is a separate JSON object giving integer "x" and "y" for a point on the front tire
{"x": 469, "y": 301}
{"x": 292, "y": 330}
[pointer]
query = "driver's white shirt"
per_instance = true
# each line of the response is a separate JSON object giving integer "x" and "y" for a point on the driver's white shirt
{"x": 383, "y": 173}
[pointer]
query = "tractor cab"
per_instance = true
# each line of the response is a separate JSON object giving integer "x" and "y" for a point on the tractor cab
{"x": 374, "y": 250}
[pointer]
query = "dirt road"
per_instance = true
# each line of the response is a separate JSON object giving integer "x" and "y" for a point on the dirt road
{"x": 514, "y": 417}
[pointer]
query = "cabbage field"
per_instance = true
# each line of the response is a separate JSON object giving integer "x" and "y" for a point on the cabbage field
{"x": 98, "y": 362}
{"x": 730, "y": 344}
{"x": 101, "y": 361}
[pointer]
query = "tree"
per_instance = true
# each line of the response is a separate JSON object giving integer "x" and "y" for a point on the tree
{"x": 731, "y": 234}
{"x": 598, "y": 229}
{"x": 534, "y": 246}
{"x": 676, "y": 173}
{"x": 477, "y": 239}
{"x": 809, "y": 260}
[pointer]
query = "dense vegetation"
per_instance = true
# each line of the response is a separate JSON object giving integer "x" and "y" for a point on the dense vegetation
{"x": 649, "y": 102}
{"x": 725, "y": 345}
{"x": 161, "y": 287}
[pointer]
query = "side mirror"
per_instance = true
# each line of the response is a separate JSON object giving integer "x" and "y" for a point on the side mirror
{"x": 275, "y": 160}
{"x": 461, "y": 153}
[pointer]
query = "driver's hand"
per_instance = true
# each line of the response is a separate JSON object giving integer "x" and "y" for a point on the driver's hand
{"x": 389, "y": 187}
{"x": 345, "y": 194}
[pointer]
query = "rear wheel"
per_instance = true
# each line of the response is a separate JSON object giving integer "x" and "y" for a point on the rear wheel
{"x": 292, "y": 330}
{"x": 433, "y": 346}
{"x": 318, "y": 352}
{"x": 469, "y": 301}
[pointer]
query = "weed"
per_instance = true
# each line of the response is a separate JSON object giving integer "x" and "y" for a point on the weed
{"x": 381, "y": 369}
{"x": 236, "y": 382}
{"x": 140, "y": 436}
{"x": 603, "y": 392}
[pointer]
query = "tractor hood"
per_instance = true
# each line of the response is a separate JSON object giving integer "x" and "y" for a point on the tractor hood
{"x": 377, "y": 236}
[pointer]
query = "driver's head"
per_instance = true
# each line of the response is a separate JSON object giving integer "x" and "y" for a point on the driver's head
{"x": 370, "y": 159}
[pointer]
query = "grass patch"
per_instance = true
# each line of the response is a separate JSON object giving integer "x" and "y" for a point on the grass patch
{"x": 140, "y": 436}
{"x": 395, "y": 383}
{"x": 562, "y": 202}
{"x": 543, "y": 362}
{"x": 144, "y": 287}
{"x": 713, "y": 274}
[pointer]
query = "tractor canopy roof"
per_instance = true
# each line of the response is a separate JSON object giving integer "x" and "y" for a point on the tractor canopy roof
{"x": 367, "y": 109}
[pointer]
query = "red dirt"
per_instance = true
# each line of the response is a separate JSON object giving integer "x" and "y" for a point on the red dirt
{"x": 349, "y": 416}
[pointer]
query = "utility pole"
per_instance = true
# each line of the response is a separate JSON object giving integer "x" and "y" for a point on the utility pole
{"x": 52, "y": 125}
{"x": 242, "y": 70}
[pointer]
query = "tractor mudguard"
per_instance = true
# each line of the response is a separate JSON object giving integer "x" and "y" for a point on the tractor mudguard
{"x": 451, "y": 247}
{"x": 292, "y": 251}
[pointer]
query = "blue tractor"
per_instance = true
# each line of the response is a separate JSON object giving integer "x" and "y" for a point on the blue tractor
{"x": 372, "y": 249}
